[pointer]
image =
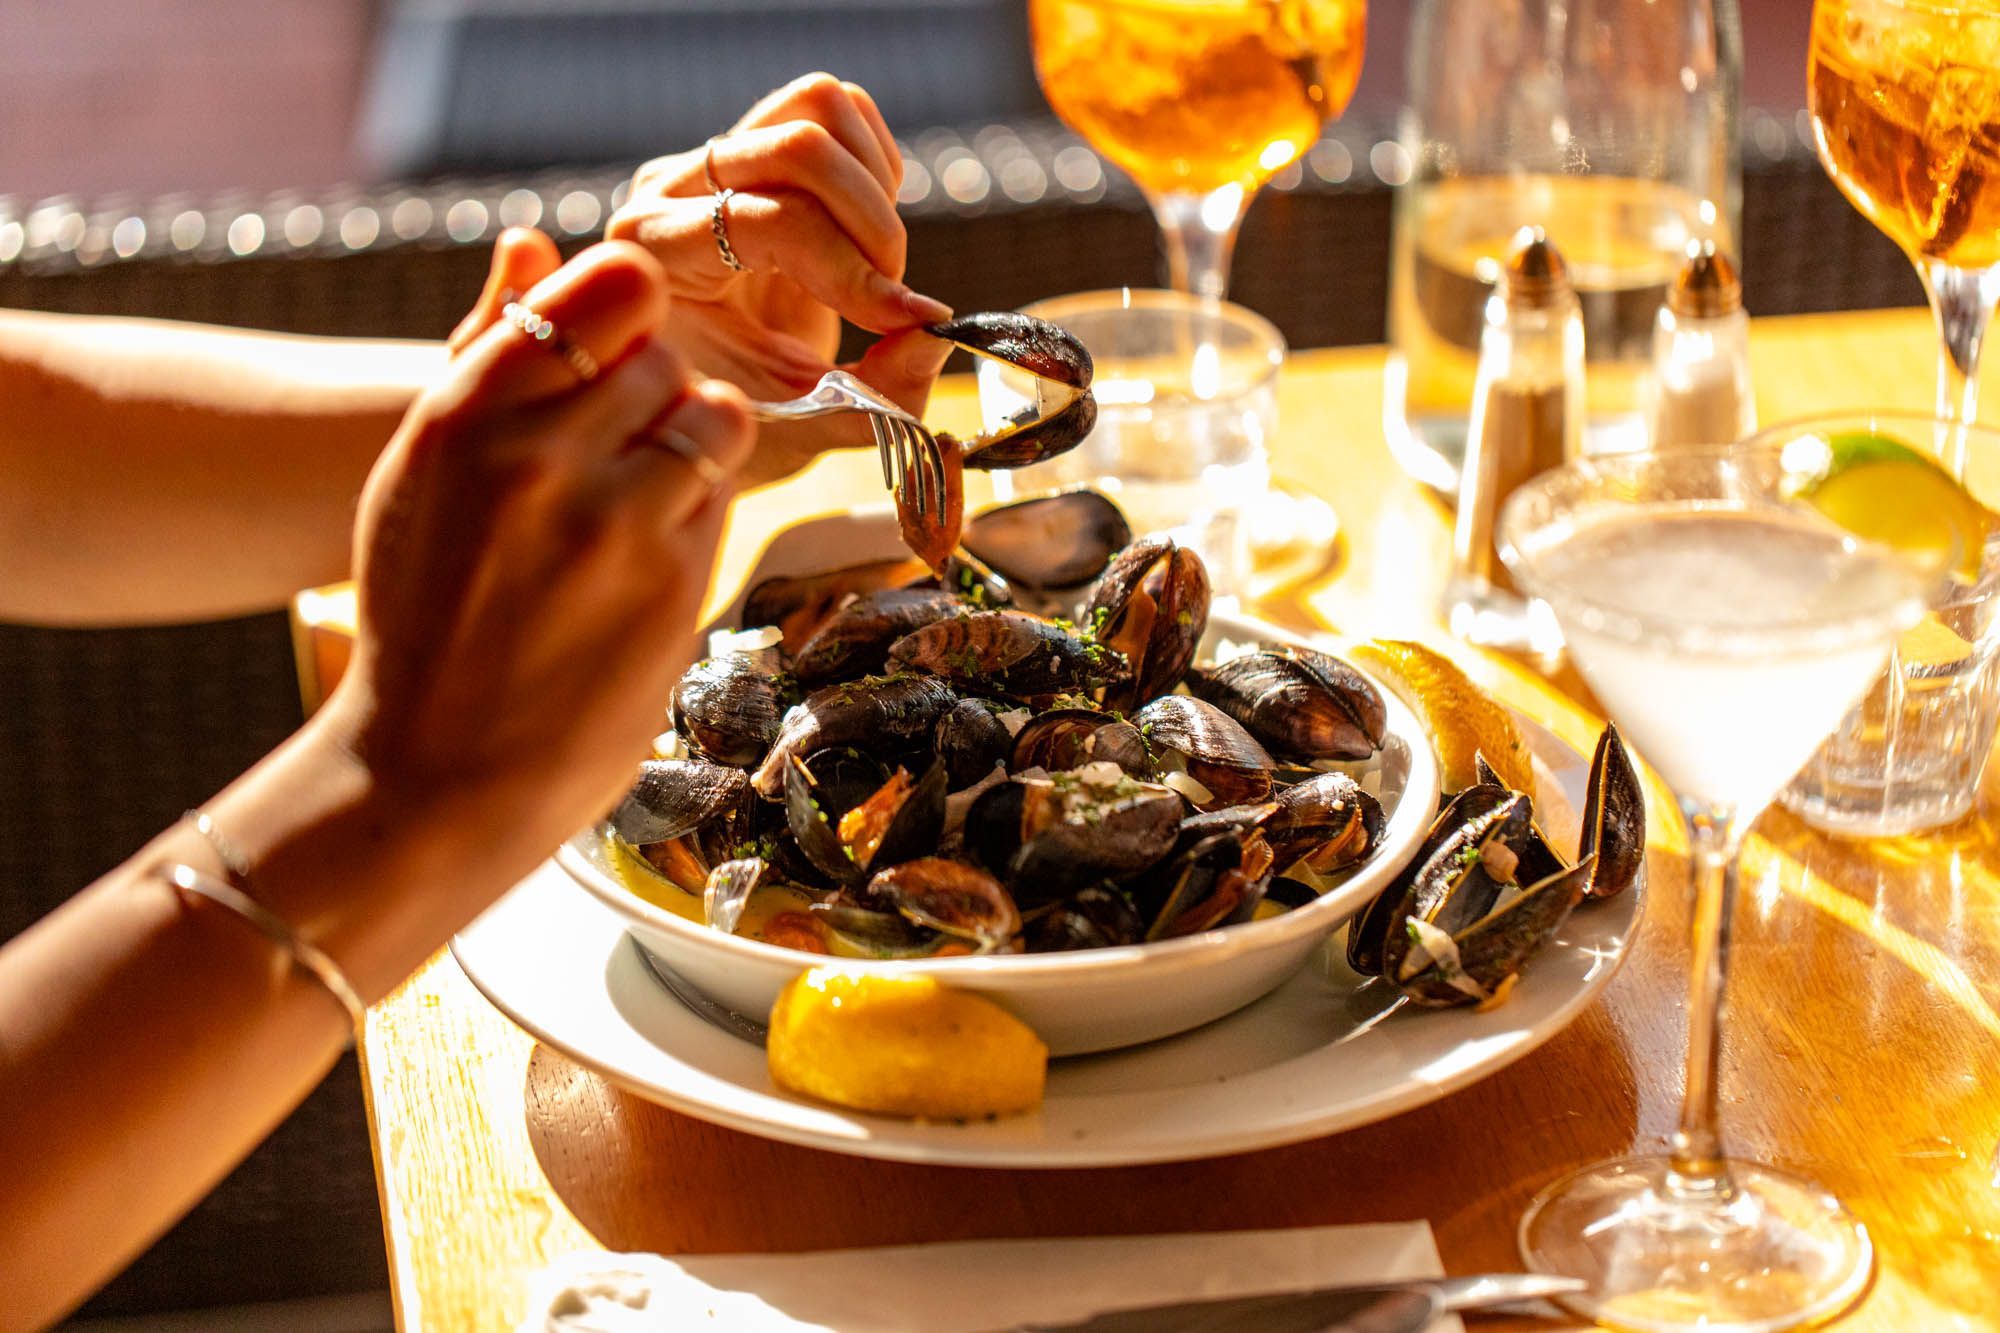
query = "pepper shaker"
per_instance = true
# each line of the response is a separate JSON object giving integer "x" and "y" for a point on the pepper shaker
{"x": 1699, "y": 388}
{"x": 1527, "y": 417}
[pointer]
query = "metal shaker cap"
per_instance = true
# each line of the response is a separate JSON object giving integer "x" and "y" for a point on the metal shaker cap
{"x": 1707, "y": 285}
{"x": 1535, "y": 274}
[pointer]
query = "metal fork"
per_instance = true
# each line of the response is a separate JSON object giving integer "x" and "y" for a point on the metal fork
{"x": 910, "y": 455}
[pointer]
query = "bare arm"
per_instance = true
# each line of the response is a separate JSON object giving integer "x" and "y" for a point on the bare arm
{"x": 152, "y": 471}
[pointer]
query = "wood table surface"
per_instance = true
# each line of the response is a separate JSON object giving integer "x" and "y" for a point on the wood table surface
{"x": 1862, "y": 1042}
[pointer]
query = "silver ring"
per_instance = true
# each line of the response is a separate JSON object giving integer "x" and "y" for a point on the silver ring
{"x": 719, "y": 224}
{"x": 543, "y": 331}
{"x": 680, "y": 445}
{"x": 708, "y": 165}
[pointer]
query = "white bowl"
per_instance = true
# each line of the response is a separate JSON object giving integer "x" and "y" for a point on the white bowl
{"x": 1080, "y": 1001}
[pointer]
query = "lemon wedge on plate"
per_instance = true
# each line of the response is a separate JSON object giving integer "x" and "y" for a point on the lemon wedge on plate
{"x": 1885, "y": 490}
{"x": 1461, "y": 719}
{"x": 902, "y": 1045}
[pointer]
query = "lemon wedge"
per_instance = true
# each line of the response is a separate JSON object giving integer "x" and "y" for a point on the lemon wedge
{"x": 1461, "y": 719}
{"x": 1878, "y": 487}
{"x": 902, "y": 1045}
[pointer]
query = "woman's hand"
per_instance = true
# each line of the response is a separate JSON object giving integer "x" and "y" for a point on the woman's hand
{"x": 812, "y": 218}
{"x": 531, "y": 562}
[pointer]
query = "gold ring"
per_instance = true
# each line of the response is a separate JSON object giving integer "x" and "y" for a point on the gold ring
{"x": 708, "y": 165}
{"x": 718, "y": 223}
{"x": 674, "y": 442}
{"x": 544, "y": 332}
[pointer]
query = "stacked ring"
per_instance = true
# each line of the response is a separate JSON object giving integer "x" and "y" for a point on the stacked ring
{"x": 718, "y": 223}
{"x": 543, "y": 331}
{"x": 674, "y": 442}
{"x": 708, "y": 166}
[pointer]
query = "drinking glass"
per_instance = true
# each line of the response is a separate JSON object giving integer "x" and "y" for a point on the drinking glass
{"x": 1610, "y": 124}
{"x": 1200, "y": 101}
{"x": 1187, "y": 397}
{"x": 1727, "y": 628}
{"x": 1909, "y": 756}
{"x": 1905, "y": 102}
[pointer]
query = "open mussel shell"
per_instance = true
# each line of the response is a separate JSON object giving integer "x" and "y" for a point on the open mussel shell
{"x": 951, "y": 897}
{"x": 1614, "y": 819}
{"x": 1301, "y": 704}
{"x": 881, "y": 712}
{"x": 1051, "y": 542}
{"x": 1326, "y": 823}
{"x": 1207, "y": 882}
{"x": 1151, "y": 606}
{"x": 1100, "y": 916}
{"x": 1212, "y": 748}
{"x": 1061, "y": 411}
{"x": 1461, "y": 822}
{"x": 874, "y": 932}
{"x": 1472, "y": 964}
{"x": 728, "y": 708}
{"x": 1006, "y": 652}
{"x": 1046, "y": 837}
{"x": 728, "y": 891}
{"x": 854, "y": 640}
{"x": 674, "y": 797}
{"x": 797, "y": 606}
{"x": 851, "y": 816}
{"x": 1066, "y": 738}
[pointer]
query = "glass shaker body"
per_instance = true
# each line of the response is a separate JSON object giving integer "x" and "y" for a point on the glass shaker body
{"x": 1612, "y": 124}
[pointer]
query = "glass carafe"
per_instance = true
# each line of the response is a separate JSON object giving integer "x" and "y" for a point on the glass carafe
{"x": 1612, "y": 124}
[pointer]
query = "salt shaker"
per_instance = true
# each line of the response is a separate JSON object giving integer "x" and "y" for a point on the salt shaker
{"x": 1699, "y": 388}
{"x": 1527, "y": 417}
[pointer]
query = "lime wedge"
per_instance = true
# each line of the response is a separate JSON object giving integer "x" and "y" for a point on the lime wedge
{"x": 1887, "y": 491}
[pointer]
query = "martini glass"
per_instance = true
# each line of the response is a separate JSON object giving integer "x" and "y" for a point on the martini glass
{"x": 1728, "y": 629}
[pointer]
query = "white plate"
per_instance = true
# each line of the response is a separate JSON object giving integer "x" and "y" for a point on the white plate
{"x": 1314, "y": 1057}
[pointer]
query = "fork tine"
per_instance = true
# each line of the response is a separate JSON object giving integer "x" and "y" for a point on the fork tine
{"x": 935, "y": 455}
{"x": 892, "y": 469}
{"x": 935, "y": 491}
{"x": 920, "y": 498}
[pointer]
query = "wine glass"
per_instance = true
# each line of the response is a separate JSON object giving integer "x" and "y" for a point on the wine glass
{"x": 1905, "y": 101}
{"x": 1728, "y": 629}
{"x": 1200, "y": 101}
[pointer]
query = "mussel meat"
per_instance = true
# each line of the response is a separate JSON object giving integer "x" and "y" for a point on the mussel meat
{"x": 851, "y": 817}
{"x": 1151, "y": 606}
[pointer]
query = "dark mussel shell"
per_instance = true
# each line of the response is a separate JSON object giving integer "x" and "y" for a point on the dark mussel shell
{"x": 1367, "y": 935}
{"x": 854, "y": 640}
{"x": 1300, "y": 703}
{"x": 728, "y": 890}
{"x": 971, "y": 739}
{"x": 1007, "y": 652}
{"x": 798, "y": 605}
{"x": 674, "y": 797}
{"x": 1214, "y": 748}
{"x": 1290, "y": 894}
{"x": 1614, "y": 819}
{"x": 931, "y": 531}
{"x": 1151, "y": 605}
{"x": 874, "y": 932}
{"x": 881, "y": 712}
{"x": 1327, "y": 822}
{"x": 727, "y": 708}
{"x": 1491, "y": 949}
{"x": 1046, "y": 837}
{"x": 1051, "y": 542}
{"x": 1062, "y": 412}
{"x": 1208, "y": 882}
{"x": 1065, "y": 738}
{"x": 951, "y": 897}
{"x": 851, "y": 817}
{"x": 1098, "y": 917}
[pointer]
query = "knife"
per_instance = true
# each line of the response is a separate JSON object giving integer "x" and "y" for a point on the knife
{"x": 1376, "y": 1307}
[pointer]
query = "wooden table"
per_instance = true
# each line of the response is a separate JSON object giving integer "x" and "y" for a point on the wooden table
{"x": 1863, "y": 1043}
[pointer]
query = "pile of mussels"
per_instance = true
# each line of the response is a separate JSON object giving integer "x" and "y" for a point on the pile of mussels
{"x": 1010, "y": 749}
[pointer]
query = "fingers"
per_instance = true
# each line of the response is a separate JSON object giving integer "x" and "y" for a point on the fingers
{"x": 522, "y": 257}
{"x": 686, "y": 457}
{"x": 602, "y": 419}
{"x": 905, "y": 367}
{"x": 606, "y": 301}
{"x": 804, "y": 156}
{"x": 786, "y": 231}
{"x": 872, "y": 116}
{"x": 824, "y": 100}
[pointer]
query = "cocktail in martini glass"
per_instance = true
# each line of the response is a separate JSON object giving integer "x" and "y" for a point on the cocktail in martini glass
{"x": 1727, "y": 626}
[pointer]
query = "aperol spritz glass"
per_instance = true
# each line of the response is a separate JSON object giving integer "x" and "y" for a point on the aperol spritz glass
{"x": 1200, "y": 101}
{"x": 1905, "y": 101}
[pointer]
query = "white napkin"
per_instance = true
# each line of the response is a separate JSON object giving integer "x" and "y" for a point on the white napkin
{"x": 964, "y": 1286}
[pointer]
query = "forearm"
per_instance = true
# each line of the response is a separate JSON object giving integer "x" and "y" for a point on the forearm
{"x": 148, "y": 1041}
{"x": 152, "y": 471}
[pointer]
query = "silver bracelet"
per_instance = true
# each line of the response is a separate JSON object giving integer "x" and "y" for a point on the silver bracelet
{"x": 187, "y": 880}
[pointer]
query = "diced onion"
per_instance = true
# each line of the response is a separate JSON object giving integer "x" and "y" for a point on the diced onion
{"x": 1014, "y": 719}
{"x": 725, "y": 641}
{"x": 669, "y": 745}
{"x": 1188, "y": 787}
{"x": 1101, "y": 773}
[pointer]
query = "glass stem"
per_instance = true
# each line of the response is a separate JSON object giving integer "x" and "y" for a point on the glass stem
{"x": 1697, "y": 1170}
{"x": 1963, "y": 301}
{"x": 1200, "y": 235}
